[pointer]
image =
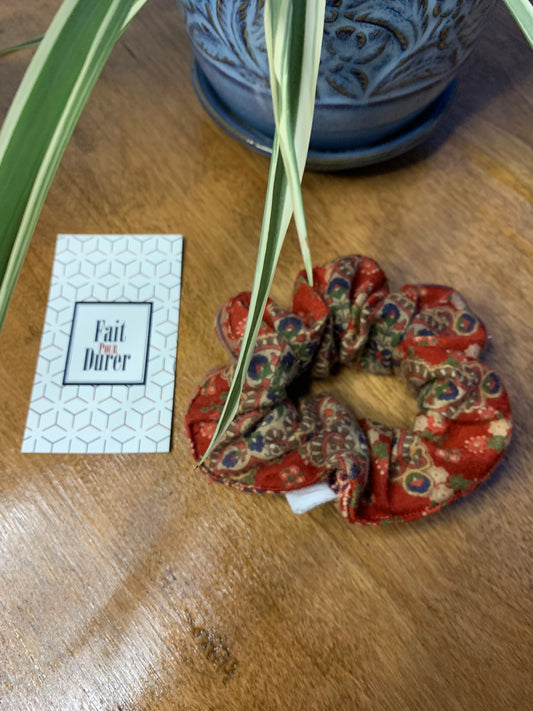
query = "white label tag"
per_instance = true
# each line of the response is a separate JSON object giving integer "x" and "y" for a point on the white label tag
{"x": 104, "y": 380}
{"x": 303, "y": 500}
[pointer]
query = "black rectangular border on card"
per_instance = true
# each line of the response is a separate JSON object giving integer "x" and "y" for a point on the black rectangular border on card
{"x": 109, "y": 303}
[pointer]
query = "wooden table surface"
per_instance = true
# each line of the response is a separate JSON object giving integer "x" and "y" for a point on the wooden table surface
{"x": 131, "y": 582}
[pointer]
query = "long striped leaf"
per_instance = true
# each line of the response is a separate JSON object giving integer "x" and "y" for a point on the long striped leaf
{"x": 17, "y": 47}
{"x": 43, "y": 114}
{"x": 522, "y": 11}
{"x": 279, "y": 15}
{"x": 300, "y": 79}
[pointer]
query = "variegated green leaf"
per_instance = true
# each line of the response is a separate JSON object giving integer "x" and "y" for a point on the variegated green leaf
{"x": 522, "y": 11}
{"x": 300, "y": 79}
{"x": 43, "y": 114}
{"x": 17, "y": 47}
{"x": 278, "y": 14}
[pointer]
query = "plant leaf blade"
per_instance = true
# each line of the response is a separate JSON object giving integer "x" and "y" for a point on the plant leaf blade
{"x": 302, "y": 71}
{"x": 42, "y": 117}
{"x": 522, "y": 11}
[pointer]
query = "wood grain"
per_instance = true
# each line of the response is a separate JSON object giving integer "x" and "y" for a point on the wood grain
{"x": 131, "y": 583}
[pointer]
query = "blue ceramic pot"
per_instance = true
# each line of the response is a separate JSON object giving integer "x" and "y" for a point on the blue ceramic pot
{"x": 386, "y": 74}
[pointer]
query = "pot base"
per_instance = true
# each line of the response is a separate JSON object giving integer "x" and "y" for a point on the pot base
{"x": 410, "y": 136}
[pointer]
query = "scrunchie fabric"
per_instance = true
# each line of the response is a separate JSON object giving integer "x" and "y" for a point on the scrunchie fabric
{"x": 281, "y": 440}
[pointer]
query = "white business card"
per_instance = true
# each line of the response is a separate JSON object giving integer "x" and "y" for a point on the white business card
{"x": 104, "y": 381}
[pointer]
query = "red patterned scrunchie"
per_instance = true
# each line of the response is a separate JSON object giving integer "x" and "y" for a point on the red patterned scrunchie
{"x": 280, "y": 441}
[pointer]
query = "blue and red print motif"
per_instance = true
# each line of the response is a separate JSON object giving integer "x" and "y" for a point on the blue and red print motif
{"x": 425, "y": 335}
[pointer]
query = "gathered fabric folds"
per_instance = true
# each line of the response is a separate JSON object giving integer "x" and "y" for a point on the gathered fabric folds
{"x": 283, "y": 438}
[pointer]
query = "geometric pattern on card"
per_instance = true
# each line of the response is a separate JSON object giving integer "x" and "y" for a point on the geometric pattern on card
{"x": 122, "y": 294}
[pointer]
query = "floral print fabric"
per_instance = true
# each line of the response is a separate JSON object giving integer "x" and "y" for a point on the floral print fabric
{"x": 283, "y": 439}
